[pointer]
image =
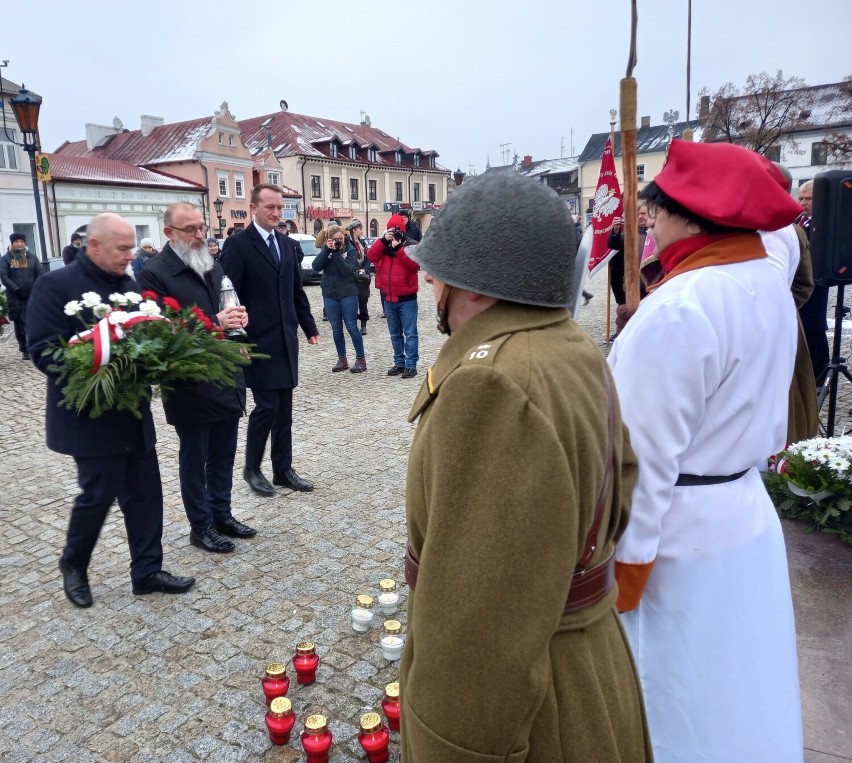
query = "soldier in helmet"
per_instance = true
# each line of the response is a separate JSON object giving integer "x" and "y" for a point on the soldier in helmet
{"x": 519, "y": 482}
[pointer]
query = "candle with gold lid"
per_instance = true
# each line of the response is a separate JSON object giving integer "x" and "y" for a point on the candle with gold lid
{"x": 362, "y": 613}
{"x": 280, "y": 720}
{"x": 316, "y": 739}
{"x": 388, "y": 598}
{"x": 391, "y": 640}
{"x": 390, "y": 705}
{"x": 275, "y": 683}
{"x": 306, "y": 661}
{"x": 374, "y": 738}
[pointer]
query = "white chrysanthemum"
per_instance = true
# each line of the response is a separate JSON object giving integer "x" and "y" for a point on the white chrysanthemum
{"x": 73, "y": 307}
{"x": 118, "y": 299}
{"x": 91, "y": 299}
{"x": 133, "y": 298}
{"x": 839, "y": 464}
{"x": 824, "y": 456}
{"x": 149, "y": 307}
{"x": 101, "y": 310}
{"x": 808, "y": 454}
{"x": 117, "y": 317}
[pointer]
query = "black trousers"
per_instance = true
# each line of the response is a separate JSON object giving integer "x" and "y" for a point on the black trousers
{"x": 363, "y": 300}
{"x": 272, "y": 416}
{"x": 21, "y": 328}
{"x": 133, "y": 479}
{"x": 206, "y": 467}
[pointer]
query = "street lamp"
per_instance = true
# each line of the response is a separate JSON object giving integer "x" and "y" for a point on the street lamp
{"x": 218, "y": 204}
{"x": 26, "y": 106}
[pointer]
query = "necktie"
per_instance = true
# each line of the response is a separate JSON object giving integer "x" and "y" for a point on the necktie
{"x": 273, "y": 248}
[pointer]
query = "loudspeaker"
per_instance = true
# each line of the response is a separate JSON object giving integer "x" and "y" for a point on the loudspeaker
{"x": 831, "y": 228}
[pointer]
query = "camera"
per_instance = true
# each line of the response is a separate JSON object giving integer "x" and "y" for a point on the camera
{"x": 332, "y": 244}
{"x": 398, "y": 234}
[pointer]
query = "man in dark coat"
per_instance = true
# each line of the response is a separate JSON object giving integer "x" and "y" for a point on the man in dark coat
{"x": 70, "y": 252}
{"x": 115, "y": 453}
{"x": 205, "y": 417}
{"x": 264, "y": 269}
{"x": 18, "y": 271}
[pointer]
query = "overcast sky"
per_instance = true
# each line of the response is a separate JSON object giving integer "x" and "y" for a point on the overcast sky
{"x": 457, "y": 76}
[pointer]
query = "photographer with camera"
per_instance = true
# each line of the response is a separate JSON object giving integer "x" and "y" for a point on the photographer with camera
{"x": 338, "y": 264}
{"x": 363, "y": 273}
{"x": 397, "y": 280}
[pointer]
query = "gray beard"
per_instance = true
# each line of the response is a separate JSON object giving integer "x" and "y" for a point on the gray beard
{"x": 198, "y": 260}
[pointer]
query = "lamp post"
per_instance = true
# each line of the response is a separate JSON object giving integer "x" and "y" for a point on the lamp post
{"x": 218, "y": 204}
{"x": 26, "y": 106}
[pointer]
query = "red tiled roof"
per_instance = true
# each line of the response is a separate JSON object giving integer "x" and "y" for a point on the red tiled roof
{"x": 82, "y": 169}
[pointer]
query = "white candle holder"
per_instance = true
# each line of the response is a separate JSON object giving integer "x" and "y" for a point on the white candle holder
{"x": 392, "y": 640}
{"x": 362, "y": 613}
{"x": 388, "y": 598}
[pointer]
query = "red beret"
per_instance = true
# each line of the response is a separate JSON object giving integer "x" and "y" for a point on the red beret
{"x": 728, "y": 185}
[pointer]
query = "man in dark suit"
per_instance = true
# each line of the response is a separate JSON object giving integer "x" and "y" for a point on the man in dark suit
{"x": 115, "y": 453}
{"x": 263, "y": 266}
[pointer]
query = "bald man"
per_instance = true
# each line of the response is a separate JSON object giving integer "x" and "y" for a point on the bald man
{"x": 115, "y": 453}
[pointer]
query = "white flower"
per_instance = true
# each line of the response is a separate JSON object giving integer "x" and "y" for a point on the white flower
{"x": 91, "y": 299}
{"x": 133, "y": 298}
{"x": 117, "y": 317}
{"x": 118, "y": 299}
{"x": 149, "y": 307}
{"x": 839, "y": 464}
{"x": 73, "y": 307}
{"x": 101, "y": 310}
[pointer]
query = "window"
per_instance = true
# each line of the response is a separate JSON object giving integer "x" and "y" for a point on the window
{"x": 416, "y": 160}
{"x": 374, "y": 225}
{"x": 371, "y": 155}
{"x": 273, "y": 178}
{"x": 231, "y": 140}
{"x": 142, "y": 231}
{"x": 8, "y": 152}
{"x": 353, "y": 189}
{"x": 372, "y": 193}
{"x": 332, "y": 150}
{"x": 819, "y": 153}
{"x": 432, "y": 161}
{"x": 221, "y": 139}
{"x": 223, "y": 184}
{"x": 416, "y": 192}
{"x": 239, "y": 188}
{"x": 397, "y": 191}
{"x": 335, "y": 188}
{"x": 640, "y": 172}
{"x": 398, "y": 157}
{"x": 316, "y": 188}
{"x": 433, "y": 196}
{"x": 773, "y": 153}
{"x": 353, "y": 152}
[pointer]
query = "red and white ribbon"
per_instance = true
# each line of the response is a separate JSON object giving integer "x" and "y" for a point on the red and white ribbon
{"x": 105, "y": 333}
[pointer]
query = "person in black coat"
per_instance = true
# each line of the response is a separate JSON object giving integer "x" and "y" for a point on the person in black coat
{"x": 115, "y": 453}
{"x": 206, "y": 417}
{"x": 263, "y": 267}
{"x": 19, "y": 269}
{"x": 70, "y": 252}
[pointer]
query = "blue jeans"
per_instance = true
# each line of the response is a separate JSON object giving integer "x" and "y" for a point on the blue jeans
{"x": 402, "y": 325}
{"x": 340, "y": 311}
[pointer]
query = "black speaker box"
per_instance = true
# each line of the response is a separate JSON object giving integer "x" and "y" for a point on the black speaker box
{"x": 831, "y": 228}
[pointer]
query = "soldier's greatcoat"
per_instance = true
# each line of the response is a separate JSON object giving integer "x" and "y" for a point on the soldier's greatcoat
{"x": 505, "y": 471}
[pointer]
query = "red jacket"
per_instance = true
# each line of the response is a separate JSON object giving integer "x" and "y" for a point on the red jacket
{"x": 396, "y": 277}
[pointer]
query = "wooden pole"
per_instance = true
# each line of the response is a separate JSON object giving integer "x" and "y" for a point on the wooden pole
{"x": 628, "y": 163}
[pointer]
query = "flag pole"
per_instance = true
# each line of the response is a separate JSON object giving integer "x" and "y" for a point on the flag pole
{"x": 628, "y": 164}
{"x": 612, "y": 116}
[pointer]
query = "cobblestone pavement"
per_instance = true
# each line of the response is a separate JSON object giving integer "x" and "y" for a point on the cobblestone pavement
{"x": 177, "y": 678}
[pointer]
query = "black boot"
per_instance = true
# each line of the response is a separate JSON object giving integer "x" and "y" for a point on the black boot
{"x": 364, "y": 328}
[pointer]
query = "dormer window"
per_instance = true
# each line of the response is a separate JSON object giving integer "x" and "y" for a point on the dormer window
{"x": 372, "y": 155}
{"x": 416, "y": 160}
{"x": 333, "y": 151}
{"x": 432, "y": 162}
{"x": 353, "y": 152}
{"x": 399, "y": 157}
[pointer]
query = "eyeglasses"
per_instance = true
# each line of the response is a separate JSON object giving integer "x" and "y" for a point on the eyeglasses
{"x": 191, "y": 230}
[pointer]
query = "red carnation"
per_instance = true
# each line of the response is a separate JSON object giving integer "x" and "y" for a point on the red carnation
{"x": 172, "y": 303}
{"x": 148, "y": 294}
{"x": 199, "y": 313}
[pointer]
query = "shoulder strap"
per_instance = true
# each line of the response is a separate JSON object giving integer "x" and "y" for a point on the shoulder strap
{"x": 592, "y": 536}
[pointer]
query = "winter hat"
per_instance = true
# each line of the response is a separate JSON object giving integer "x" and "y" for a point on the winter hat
{"x": 76, "y": 237}
{"x": 212, "y": 241}
{"x": 396, "y": 221}
{"x": 473, "y": 242}
{"x": 146, "y": 242}
{"x": 17, "y": 237}
{"x": 355, "y": 224}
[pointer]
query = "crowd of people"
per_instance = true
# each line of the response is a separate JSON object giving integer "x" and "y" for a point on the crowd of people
{"x": 619, "y": 499}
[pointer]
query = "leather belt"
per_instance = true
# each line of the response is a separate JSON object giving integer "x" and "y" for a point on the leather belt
{"x": 587, "y": 586}
{"x": 689, "y": 480}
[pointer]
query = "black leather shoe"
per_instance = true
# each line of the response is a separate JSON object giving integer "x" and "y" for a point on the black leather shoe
{"x": 231, "y": 527}
{"x": 292, "y": 480}
{"x": 395, "y": 370}
{"x": 258, "y": 483}
{"x": 25, "y": 355}
{"x": 210, "y": 540}
{"x": 76, "y": 586}
{"x": 163, "y": 582}
{"x": 409, "y": 373}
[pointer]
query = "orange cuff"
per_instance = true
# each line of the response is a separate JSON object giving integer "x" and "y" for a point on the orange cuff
{"x": 631, "y": 579}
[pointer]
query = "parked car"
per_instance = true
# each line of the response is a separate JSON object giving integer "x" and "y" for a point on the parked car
{"x": 309, "y": 248}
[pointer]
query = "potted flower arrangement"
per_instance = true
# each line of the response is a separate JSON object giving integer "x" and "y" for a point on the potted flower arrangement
{"x": 812, "y": 480}
{"x": 132, "y": 344}
{"x": 4, "y": 312}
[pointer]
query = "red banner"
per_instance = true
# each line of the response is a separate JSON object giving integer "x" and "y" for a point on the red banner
{"x": 606, "y": 205}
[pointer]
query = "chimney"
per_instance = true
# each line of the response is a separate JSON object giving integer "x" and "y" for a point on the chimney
{"x": 704, "y": 108}
{"x": 458, "y": 176}
{"x": 527, "y": 161}
{"x": 148, "y": 123}
{"x": 98, "y": 135}
{"x": 646, "y": 121}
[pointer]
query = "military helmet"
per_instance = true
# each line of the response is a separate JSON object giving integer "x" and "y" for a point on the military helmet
{"x": 505, "y": 236}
